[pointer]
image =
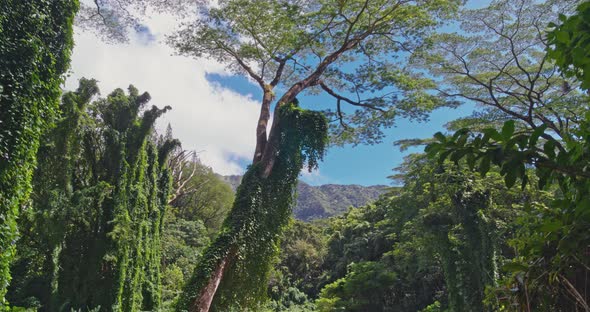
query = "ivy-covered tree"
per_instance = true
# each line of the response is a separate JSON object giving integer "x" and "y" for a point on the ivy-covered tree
{"x": 442, "y": 235}
{"x": 346, "y": 49}
{"x": 35, "y": 45}
{"x": 458, "y": 222}
{"x": 104, "y": 185}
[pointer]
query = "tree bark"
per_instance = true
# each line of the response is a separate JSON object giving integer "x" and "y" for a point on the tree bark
{"x": 203, "y": 302}
{"x": 261, "y": 137}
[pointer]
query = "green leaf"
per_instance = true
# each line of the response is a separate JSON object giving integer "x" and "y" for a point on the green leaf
{"x": 470, "y": 160}
{"x": 508, "y": 129}
{"x": 544, "y": 175}
{"x": 484, "y": 165}
{"x": 432, "y": 148}
{"x": 536, "y": 134}
{"x": 510, "y": 178}
{"x": 525, "y": 181}
{"x": 562, "y": 36}
{"x": 583, "y": 207}
{"x": 549, "y": 149}
{"x": 457, "y": 155}
{"x": 492, "y": 133}
{"x": 460, "y": 134}
{"x": 440, "y": 137}
{"x": 443, "y": 156}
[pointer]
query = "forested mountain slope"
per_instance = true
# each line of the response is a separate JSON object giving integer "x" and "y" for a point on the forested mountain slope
{"x": 316, "y": 202}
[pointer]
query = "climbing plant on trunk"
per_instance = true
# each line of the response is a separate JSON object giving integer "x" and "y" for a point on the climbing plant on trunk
{"x": 347, "y": 49}
{"x": 103, "y": 182}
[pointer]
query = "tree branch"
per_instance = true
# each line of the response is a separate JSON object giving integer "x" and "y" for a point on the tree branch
{"x": 347, "y": 100}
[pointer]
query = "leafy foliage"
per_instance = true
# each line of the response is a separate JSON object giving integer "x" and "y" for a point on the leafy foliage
{"x": 302, "y": 255}
{"x": 443, "y": 235}
{"x": 35, "y": 45}
{"x": 106, "y": 196}
{"x": 570, "y": 44}
{"x": 566, "y": 218}
{"x": 499, "y": 63}
{"x": 363, "y": 289}
{"x": 553, "y": 244}
{"x": 183, "y": 242}
{"x": 209, "y": 198}
{"x": 346, "y": 49}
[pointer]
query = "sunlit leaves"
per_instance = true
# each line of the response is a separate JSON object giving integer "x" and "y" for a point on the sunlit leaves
{"x": 570, "y": 44}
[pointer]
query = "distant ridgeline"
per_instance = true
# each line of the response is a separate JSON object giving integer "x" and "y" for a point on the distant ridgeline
{"x": 318, "y": 202}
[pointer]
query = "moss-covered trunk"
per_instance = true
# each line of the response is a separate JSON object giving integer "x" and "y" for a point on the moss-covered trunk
{"x": 234, "y": 269}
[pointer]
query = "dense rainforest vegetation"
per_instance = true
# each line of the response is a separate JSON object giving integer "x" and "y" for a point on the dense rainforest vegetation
{"x": 100, "y": 212}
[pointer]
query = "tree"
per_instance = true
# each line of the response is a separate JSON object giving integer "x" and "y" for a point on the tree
{"x": 296, "y": 279}
{"x": 112, "y": 20}
{"x": 303, "y": 251}
{"x": 92, "y": 237}
{"x": 35, "y": 44}
{"x": 457, "y": 224}
{"x": 382, "y": 235}
{"x": 339, "y": 47}
{"x": 498, "y": 61}
{"x": 364, "y": 288}
{"x": 204, "y": 196}
{"x": 183, "y": 242}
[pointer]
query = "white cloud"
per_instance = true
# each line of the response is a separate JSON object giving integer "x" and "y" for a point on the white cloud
{"x": 314, "y": 177}
{"x": 205, "y": 116}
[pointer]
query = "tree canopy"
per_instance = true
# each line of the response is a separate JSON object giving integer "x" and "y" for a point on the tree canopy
{"x": 347, "y": 49}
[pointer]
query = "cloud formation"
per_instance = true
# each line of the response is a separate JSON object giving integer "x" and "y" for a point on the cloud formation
{"x": 213, "y": 120}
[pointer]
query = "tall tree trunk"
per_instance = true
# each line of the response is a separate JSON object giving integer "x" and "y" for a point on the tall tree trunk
{"x": 267, "y": 149}
{"x": 203, "y": 301}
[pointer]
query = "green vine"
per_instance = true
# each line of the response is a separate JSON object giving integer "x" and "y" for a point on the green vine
{"x": 106, "y": 195}
{"x": 260, "y": 213}
{"x": 35, "y": 46}
{"x": 458, "y": 222}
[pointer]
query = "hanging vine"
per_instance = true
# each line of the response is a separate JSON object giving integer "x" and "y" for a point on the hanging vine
{"x": 106, "y": 195}
{"x": 260, "y": 213}
{"x": 459, "y": 225}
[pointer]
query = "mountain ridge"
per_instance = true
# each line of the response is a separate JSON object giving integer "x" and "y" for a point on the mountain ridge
{"x": 327, "y": 200}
